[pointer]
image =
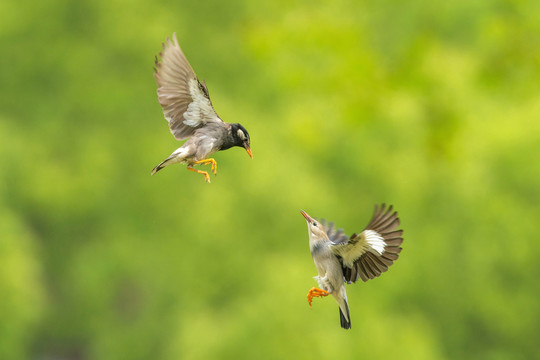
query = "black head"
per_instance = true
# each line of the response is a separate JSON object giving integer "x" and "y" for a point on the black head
{"x": 241, "y": 137}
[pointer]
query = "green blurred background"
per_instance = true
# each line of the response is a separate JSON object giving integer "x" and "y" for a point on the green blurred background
{"x": 431, "y": 106}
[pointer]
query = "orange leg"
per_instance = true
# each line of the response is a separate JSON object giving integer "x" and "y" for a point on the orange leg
{"x": 315, "y": 292}
{"x": 208, "y": 161}
{"x": 206, "y": 176}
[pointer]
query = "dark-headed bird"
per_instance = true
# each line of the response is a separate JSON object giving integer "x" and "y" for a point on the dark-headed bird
{"x": 189, "y": 111}
{"x": 340, "y": 259}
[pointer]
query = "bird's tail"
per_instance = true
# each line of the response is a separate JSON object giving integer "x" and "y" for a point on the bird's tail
{"x": 345, "y": 318}
{"x": 344, "y": 315}
{"x": 161, "y": 165}
{"x": 177, "y": 156}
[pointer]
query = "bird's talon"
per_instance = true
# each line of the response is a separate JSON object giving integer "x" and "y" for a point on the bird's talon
{"x": 206, "y": 176}
{"x": 315, "y": 292}
{"x": 213, "y": 163}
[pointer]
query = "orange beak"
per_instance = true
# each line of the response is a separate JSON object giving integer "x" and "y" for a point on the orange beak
{"x": 249, "y": 152}
{"x": 305, "y": 214}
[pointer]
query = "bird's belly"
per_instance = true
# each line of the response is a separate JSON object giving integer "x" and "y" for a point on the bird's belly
{"x": 196, "y": 149}
{"x": 330, "y": 275}
{"x": 205, "y": 148}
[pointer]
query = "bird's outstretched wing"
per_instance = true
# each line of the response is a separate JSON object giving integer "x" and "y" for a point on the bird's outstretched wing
{"x": 185, "y": 101}
{"x": 367, "y": 255}
{"x": 336, "y": 236}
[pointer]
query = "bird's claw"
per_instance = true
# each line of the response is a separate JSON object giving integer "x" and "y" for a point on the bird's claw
{"x": 206, "y": 176}
{"x": 213, "y": 168}
{"x": 315, "y": 292}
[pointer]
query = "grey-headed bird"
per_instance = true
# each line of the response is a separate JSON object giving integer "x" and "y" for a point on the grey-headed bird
{"x": 187, "y": 107}
{"x": 340, "y": 259}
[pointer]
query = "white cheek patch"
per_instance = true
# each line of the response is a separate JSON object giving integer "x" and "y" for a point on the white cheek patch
{"x": 240, "y": 134}
{"x": 375, "y": 241}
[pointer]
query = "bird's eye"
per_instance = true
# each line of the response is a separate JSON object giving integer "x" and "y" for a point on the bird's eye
{"x": 314, "y": 224}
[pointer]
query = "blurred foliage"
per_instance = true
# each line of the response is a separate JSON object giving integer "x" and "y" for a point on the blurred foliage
{"x": 430, "y": 106}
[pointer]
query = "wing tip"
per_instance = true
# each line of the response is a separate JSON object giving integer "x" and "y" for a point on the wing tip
{"x": 384, "y": 222}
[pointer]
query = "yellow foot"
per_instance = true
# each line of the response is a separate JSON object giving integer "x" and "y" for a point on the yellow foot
{"x": 315, "y": 292}
{"x": 206, "y": 162}
{"x": 206, "y": 176}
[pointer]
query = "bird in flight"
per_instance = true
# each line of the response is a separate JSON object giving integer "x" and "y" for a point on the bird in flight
{"x": 340, "y": 259}
{"x": 187, "y": 107}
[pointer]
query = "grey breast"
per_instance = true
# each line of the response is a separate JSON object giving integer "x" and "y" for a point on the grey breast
{"x": 208, "y": 140}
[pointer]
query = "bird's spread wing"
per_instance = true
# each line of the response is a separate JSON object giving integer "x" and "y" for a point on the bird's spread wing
{"x": 185, "y": 101}
{"x": 336, "y": 236}
{"x": 370, "y": 253}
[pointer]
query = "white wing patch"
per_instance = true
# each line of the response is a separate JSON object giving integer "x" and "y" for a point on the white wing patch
{"x": 375, "y": 241}
{"x": 368, "y": 240}
{"x": 199, "y": 111}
